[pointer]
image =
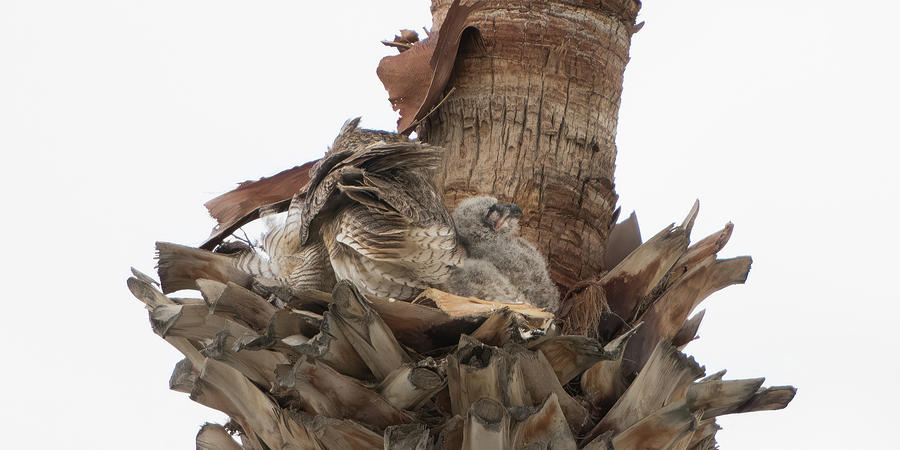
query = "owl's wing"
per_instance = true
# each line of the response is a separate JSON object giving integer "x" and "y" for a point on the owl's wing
{"x": 309, "y": 268}
{"x": 382, "y": 220}
{"x": 321, "y": 189}
{"x": 288, "y": 262}
{"x": 369, "y": 175}
{"x": 285, "y": 240}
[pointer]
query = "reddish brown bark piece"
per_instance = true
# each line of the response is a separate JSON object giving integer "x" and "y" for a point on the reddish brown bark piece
{"x": 404, "y": 41}
{"x": 238, "y": 207}
{"x": 415, "y": 79}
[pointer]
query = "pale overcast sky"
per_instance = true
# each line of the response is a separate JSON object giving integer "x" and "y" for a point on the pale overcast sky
{"x": 119, "y": 118}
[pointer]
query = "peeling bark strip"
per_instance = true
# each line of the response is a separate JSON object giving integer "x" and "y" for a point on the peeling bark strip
{"x": 242, "y": 205}
{"x": 415, "y": 79}
{"x": 533, "y": 118}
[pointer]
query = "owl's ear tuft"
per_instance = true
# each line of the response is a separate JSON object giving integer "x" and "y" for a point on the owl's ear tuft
{"x": 349, "y": 126}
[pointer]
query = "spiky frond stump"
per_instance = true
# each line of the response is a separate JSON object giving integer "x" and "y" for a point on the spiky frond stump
{"x": 345, "y": 371}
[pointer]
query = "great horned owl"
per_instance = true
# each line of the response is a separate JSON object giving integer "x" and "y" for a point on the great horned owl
{"x": 487, "y": 230}
{"x": 369, "y": 213}
{"x": 378, "y": 214}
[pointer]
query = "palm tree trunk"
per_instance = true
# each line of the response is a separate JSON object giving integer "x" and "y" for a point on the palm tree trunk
{"x": 533, "y": 117}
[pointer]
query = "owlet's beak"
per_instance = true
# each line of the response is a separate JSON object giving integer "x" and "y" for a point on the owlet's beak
{"x": 501, "y": 213}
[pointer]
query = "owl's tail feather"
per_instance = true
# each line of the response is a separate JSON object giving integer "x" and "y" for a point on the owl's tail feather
{"x": 180, "y": 266}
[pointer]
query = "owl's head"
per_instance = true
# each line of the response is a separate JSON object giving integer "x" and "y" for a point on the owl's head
{"x": 503, "y": 218}
{"x": 486, "y": 218}
{"x": 352, "y": 137}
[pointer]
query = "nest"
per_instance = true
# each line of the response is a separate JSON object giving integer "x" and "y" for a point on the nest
{"x": 342, "y": 370}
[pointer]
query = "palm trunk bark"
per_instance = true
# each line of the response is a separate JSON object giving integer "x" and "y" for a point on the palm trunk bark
{"x": 533, "y": 119}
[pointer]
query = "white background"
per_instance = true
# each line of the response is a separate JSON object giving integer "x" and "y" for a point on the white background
{"x": 118, "y": 119}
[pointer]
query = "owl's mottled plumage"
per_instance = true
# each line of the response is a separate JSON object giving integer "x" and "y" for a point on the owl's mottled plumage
{"x": 487, "y": 230}
{"x": 378, "y": 214}
{"x": 353, "y": 137}
{"x": 283, "y": 260}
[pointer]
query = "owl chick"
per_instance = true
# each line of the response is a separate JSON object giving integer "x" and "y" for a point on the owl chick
{"x": 487, "y": 230}
{"x": 481, "y": 279}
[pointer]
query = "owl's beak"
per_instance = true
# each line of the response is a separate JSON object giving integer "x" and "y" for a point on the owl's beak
{"x": 501, "y": 213}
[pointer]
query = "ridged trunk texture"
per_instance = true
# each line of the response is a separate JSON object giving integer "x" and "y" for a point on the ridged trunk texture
{"x": 533, "y": 120}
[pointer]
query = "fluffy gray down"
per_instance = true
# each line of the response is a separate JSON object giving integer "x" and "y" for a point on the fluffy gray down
{"x": 500, "y": 266}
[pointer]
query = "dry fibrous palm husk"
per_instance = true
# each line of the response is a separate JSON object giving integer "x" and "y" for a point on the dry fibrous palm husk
{"x": 351, "y": 371}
